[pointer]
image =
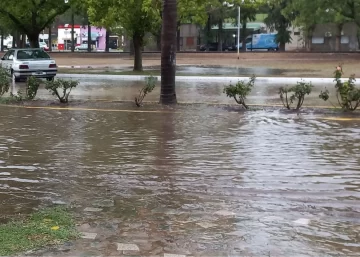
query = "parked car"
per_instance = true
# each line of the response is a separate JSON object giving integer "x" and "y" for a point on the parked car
{"x": 23, "y": 63}
{"x": 213, "y": 47}
{"x": 83, "y": 47}
{"x": 44, "y": 46}
{"x": 263, "y": 42}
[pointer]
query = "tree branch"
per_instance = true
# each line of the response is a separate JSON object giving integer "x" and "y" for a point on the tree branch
{"x": 16, "y": 21}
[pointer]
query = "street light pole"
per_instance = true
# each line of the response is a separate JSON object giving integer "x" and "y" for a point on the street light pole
{"x": 238, "y": 34}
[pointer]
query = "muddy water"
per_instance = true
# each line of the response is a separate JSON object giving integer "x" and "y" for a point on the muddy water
{"x": 201, "y": 181}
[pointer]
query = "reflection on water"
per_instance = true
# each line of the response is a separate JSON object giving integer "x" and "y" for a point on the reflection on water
{"x": 169, "y": 175}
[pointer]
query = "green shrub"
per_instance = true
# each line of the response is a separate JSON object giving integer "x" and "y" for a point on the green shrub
{"x": 61, "y": 88}
{"x": 4, "y": 81}
{"x": 32, "y": 86}
{"x": 150, "y": 83}
{"x": 240, "y": 91}
{"x": 296, "y": 93}
{"x": 347, "y": 94}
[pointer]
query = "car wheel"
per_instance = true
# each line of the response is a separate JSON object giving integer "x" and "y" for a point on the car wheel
{"x": 271, "y": 50}
{"x": 50, "y": 79}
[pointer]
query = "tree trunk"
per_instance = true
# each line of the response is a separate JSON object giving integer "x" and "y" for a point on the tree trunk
{"x": 243, "y": 36}
{"x": 178, "y": 37}
{"x": 168, "y": 52}
{"x": 208, "y": 32}
{"x": 338, "y": 37}
{"x": 107, "y": 41}
{"x": 23, "y": 41}
{"x": 18, "y": 40}
{"x": 72, "y": 31}
{"x": 89, "y": 36}
{"x": 13, "y": 43}
{"x": 220, "y": 35}
{"x": 50, "y": 38}
{"x": 158, "y": 43}
{"x": 2, "y": 41}
{"x": 138, "y": 44}
{"x": 282, "y": 47}
{"x": 34, "y": 40}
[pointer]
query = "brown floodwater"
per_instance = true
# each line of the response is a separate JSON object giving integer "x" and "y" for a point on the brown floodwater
{"x": 197, "y": 180}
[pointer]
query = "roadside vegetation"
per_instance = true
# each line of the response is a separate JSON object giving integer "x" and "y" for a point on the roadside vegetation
{"x": 43, "y": 228}
{"x": 347, "y": 94}
{"x": 240, "y": 91}
{"x": 150, "y": 83}
{"x": 295, "y": 94}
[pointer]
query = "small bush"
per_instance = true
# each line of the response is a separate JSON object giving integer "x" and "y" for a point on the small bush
{"x": 150, "y": 83}
{"x": 296, "y": 93}
{"x": 4, "y": 81}
{"x": 32, "y": 86}
{"x": 61, "y": 88}
{"x": 348, "y": 96}
{"x": 240, "y": 91}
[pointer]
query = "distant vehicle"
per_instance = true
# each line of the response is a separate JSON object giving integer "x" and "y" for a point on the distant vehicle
{"x": 234, "y": 47}
{"x": 23, "y": 63}
{"x": 44, "y": 46}
{"x": 83, "y": 47}
{"x": 263, "y": 42}
{"x": 213, "y": 47}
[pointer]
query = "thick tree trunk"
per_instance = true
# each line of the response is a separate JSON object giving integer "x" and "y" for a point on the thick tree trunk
{"x": 243, "y": 36}
{"x": 89, "y": 36}
{"x": 34, "y": 40}
{"x": 50, "y": 38}
{"x": 220, "y": 35}
{"x": 338, "y": 37}
{"x": 138, "y": 44}
{"x": 107, "y": 41}
{"x": 168, "y": 52}
{"x": 178, "y": 37}
{"x": 72, "y": 31}
{"x": 2, "y": 41}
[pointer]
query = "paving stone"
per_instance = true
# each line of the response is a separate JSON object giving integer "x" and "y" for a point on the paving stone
{"x": 91, "y": 209}
{"x": 225, "y": 213}
{"x": 86, "y": 235}
{"x": 206, "y": 224}
{"x": 173, "y": 255}
{"x": 127, "y": 247}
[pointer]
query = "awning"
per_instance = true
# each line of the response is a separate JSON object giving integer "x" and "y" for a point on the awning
{"x": 232, "y": 26}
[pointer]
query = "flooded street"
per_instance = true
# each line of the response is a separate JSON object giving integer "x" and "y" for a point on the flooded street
{"x": 196, "y": 180}
{"x": 189, "y": 90}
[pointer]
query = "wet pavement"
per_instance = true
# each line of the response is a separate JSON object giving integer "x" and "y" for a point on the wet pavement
{"x": 198, "y": 70}
{"x": 194, "y": 181}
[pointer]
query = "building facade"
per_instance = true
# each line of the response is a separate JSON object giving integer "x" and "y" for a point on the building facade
{"x": 98, "y": 37}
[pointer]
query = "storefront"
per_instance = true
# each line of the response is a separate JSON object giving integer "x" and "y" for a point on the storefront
{"x": 64, "y": 36}
{"x": 98, "y": 37}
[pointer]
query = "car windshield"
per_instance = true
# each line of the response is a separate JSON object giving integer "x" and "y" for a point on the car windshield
{"x": 32, "y": 54}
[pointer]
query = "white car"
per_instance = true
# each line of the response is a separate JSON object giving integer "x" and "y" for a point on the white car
{"x": 23, "y": 63}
